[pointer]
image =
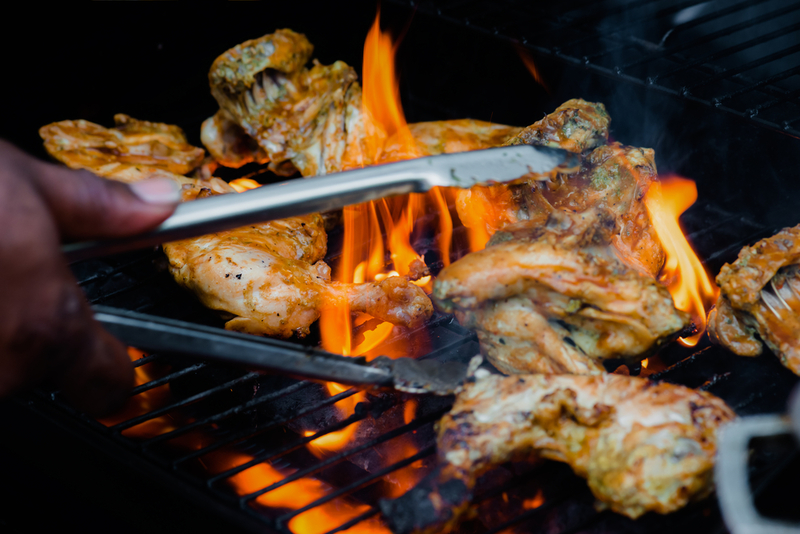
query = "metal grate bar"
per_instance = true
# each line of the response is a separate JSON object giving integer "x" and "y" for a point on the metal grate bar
{"x": 709, "y": 17}
{"x": 146, "y": 359}
{"x": 712, "y": 36}
{"x": 643, "y": 18}
{"x": 413, "y": 425}
{"x": 353, "y": 522}
{"x": 732, "y": 50}
{"x": 189, "y": 400}
{"x": 786, "y": 98}
{"x": 727, "y": 73}
{"x": 768, "y": 81}
{"x": 164, "y": 379}
{"x": 358, "y": 484}
{"x": 269, "y": 455}
{"x": 261, "y": 428}
{"x": 617, "y": 9}
{"x": 139, "y": 283}
{"x": 227, "y": 413}
{"x": 119, "y": 268}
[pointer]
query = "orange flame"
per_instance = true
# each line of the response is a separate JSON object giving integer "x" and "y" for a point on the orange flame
{"x": 295, "y": 495}
{"x": 383, "y": 112}
{"x": 243, "y": 184}
{"x": 683, "y": 274}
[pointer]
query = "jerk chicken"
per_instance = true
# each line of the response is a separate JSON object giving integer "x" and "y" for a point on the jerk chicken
{"x": 270, "y": 277}
{"x": 760, "y": 294}
{"x": 557, "y": 299}
{"x": 642, "y": 446}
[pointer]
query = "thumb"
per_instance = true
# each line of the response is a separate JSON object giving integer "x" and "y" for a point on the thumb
{"x": 85, "y": 206}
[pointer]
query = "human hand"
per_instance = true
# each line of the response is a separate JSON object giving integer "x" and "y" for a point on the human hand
{"x": 46, "y": 325}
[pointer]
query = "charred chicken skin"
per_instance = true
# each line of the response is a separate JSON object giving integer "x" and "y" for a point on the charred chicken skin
{"x": 270, "y": 277}
{"x": 612, "y": 177}
{"x": 760, "y": 294}
{"x": 557, "y": 299}
{"x": 642, "y": 446}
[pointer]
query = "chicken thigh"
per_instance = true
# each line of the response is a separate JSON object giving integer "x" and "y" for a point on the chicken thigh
{"x": 642, "y": 446}
{"x": 557, "y": 299}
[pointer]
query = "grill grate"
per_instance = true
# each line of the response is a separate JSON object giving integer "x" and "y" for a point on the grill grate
{"x": 740, "y": 57}
{"x": 261, "y": 417}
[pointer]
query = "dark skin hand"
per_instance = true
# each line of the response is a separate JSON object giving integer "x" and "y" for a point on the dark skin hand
{"x": 47, "y": 331}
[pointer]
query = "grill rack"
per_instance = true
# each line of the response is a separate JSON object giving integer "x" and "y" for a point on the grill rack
{"x": 737, "y": 56}
{"x": 249, "y": 412}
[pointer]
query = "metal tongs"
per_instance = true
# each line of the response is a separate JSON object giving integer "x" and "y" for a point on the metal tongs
{"x": 334, "y": 191}
{"x": 298, "y": 197}
{"x": 253, "y": 352}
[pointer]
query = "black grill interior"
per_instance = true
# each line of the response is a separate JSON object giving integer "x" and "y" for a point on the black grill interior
{"x": 698, "y": 82}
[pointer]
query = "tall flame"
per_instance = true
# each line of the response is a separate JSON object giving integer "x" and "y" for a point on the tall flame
{"x": 683, "y": 274}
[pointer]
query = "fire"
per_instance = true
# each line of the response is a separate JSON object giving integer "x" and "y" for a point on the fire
{"x": 244, "y": 184}
{"x": 295, "y": 495}
{"x": 683, "y": 274}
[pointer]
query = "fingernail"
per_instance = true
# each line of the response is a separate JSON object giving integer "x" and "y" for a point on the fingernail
{"x": 157, "y": 191}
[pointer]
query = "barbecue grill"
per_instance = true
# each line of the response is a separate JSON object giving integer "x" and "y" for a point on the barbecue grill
{"x": 711, "y": 86}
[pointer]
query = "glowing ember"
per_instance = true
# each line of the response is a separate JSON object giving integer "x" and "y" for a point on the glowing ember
{"x": 683, "y": 274}
{"x": 645, "y": 362}
{"x": 526, "y": 58}
{"x": 244, "y": 184}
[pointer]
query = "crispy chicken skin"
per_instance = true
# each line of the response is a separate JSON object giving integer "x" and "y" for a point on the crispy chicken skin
{"x": 131, "y": 151}
{"x": 556, "y": 299}
{"x": 612, "y": 177}
{"x": 575, "y": 125}
{"x": 760, "y": 293}
{"x": 642, "y": 446}
{"x": 311, "y": 117}
{"x": 269, "y": 276}
{"x": 446, "y": 137}
{"x": 272, "y": 278}
{"x": 228, "y": 143}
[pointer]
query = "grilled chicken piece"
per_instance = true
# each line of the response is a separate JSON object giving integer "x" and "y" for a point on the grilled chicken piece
{"x": 311, "y": 117}
{"x": 272, "y": 278}
{"x": 642, "y": 446}
{"x": 613, "y": 177}
{"x": 446, "y": 137}
{"x": 556, "y": 299}
{"x": 575, "y": 125}
{"x": 760, "y": 294}
{"x": 269, "y": 276}
{"x": 228, "y": 143}
{"x": 131, "y": 151}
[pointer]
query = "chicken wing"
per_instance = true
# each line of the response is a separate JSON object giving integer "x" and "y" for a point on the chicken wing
{"x": 556, "y": 298}
{"x": 269, "y": 277}
{"x": 760, "y": 294}
{"x": 642, "y": 446}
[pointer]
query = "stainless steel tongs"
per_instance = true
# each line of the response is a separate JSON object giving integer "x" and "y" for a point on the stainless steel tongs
{"x": 149, "y": 332}
{"x": 334, "y": 191}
